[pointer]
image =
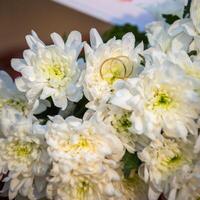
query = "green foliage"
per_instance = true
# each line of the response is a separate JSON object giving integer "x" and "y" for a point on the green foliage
{"x": 119, "y": 31}
{"x": 192, "y": 53}
{"x": 50, "y": 111}
{"x": 130, "y": 162}
{"x": 170, "y": 19}
{"x": 80, "y": 108}
{"x": 187, "y": 9}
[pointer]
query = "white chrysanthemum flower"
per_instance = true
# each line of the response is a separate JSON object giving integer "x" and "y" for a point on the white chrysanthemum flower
{"x": 51, "y": 71}
{"x": 160, "y": 38}
{"x": 14, "y": 103}
{"x": 25, "y": 159}
{"x": 83, "y": 186}
{"x": 186, "y": 27}
{"x": 186, "y": 185}
{"x": 84, "y": 160}
{"x": 10, "y": 97}
{"x": 132, "y": 187}
{"x": 98, "y": 187}
{"x": 194, "y": 13}
{"x": 117, "y": 121}
{"x": 73, "y": 142}
{"x": 109, "y": 62}
{"x": 162, "y": 99}
{"x": 190, "y": 66}
{"x": 163, "y": 159}
{"x": 182, "y": 25}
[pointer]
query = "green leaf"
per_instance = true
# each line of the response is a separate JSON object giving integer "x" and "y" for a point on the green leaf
{"x": 192, "y": 53}
{"x": 170, "y": 19}
{"x": 130, "y": 162}
{"x": 187, "y": 9}
{"x": 119, "y": 31}
{"x": 50, "y": 111}
{"x": 80, "y": 108}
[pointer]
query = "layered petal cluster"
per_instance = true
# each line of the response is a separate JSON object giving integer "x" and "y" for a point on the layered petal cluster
{"x": 194, "y": 12}
{"x": 161, "y": 98}
{"x": 84, "y": 160}
{"x": 117, "y": 121}
{"x": 79, "y": 186}
{"x": 138, "y": 133}
{"x": 51, "y": 71}
{"x": 187, "y": 185}
{"x": 168, "y": 38}
{"x": 24, "y": 159}
{"x": 190, "y": 66}
{"x": 133, "y": 187}
{"x": 163, "y": 161}
{"x": 108, "y": 62}
{"x": 13, "y": 103}
{"x": 12, "y": 98}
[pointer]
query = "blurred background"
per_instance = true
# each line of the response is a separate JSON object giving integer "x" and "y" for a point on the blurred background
{"x": 19, "y": 17}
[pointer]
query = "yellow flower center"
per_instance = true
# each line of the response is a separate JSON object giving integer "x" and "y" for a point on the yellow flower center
{"x": 116, "y": 68}
{"x": 15, "y": 103}
{"x": 54, "y": 66}
{"x": 82, "y": 189}
{"x": 173, "y": 162}
{"x": 54, "y": 71}
{"x": 162, "y": 99}
{"x": 122, "y": 123}
{"x": 21, "y": 149}
{"x": 83, "y": 143}
{"x": 170, "y": 157}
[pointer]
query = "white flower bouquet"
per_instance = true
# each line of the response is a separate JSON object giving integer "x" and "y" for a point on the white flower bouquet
{"x": 119, "y": 123}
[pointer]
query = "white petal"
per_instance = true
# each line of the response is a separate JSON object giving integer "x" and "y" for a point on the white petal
{"x": 121, "y": 99}
{"x": 181, "y": 130}
{"x": 194, "y": 12}
{"x": 34, "y": 42}
{"x": 197, "y": 145}
{"x": 28, "y": 54}
{"x": 57, "y": 39}
{"x": 109, "y": 189}
{"x": 172, "y": 194}
{"x": 60, "y": 101}
{"x": 47, "y": 92}
{"x": 74, "y": 93}
{"x": 153, "y": 195}
{"x": 128, "y": 41}
{"x": 15, "y": 185}
{"x": 139, "y": 127}
{"x": 33, "y": 93}
{"x": 28, "y": 73}
{"x": 18, "y": 64}
{"x": 74, "y": 41}
{"x": 21, "y": 84}
{"x": 181, "y": 42}
{"x": 88, "y": 50}
{"x": 95, "y": 38}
